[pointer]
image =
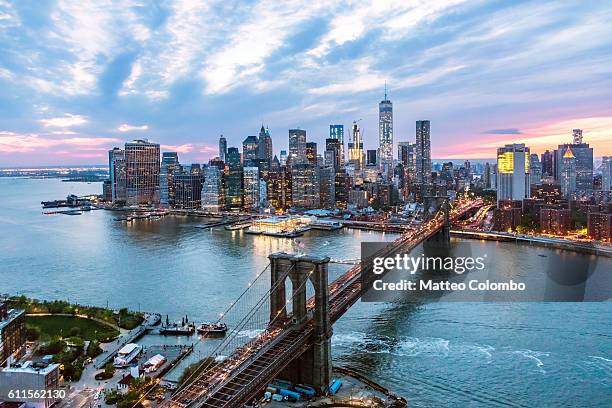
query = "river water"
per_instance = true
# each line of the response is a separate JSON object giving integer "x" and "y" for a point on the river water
{"x": 434, "y": 354}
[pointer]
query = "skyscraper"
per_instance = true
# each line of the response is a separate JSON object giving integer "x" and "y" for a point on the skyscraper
{"x": 116, "y": 169}
{"x": 250, "y": 149}
{"x": 535, "y": 169}
{"x": 355, "y": 148}
{"x": 251, "y": 187}
{"x": 222, "y": 147}
{"x": 371, "y": 158}
{"x": 513, "y": 172}
{"x": 606, "y": 173}
{"x": 547, "y": 164}
{"x": 583, "y": 154}
{"x": 265, "y": 146}
{"x": 337, "y": 132}
{"x": 169, "y": 167}
{"x": 423, "y": 152}
{"x": 568, "y": 175}
{"x": 188, "y": 190}
{"x": 233, "y": 179}
{"x": 406, "y": 155}
{"x": 142, "y": 172}
{"x": 305, "y": 185}
{"x": 297, "y": 146}
{"x": 385, "y": 133}
{"x": 311, "y": 152}
{"x": 212, "y": 189}
{"x": 327, "y": 181}
{"x": 333, "y": 147}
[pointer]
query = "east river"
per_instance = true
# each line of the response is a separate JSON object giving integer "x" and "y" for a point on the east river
{"x": 432, "y": 353}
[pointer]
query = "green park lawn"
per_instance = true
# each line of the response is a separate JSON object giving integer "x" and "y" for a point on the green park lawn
{"x": 51, "y": 326}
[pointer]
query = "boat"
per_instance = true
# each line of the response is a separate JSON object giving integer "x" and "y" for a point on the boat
{"x": 176, "y": 329}
{"x": 238, "y": 226}
{"x": 212, "y": 328}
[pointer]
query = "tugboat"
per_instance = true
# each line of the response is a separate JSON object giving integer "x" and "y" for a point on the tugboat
{"x": 212, "y": 329}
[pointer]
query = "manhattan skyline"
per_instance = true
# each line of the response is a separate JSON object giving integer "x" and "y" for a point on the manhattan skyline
{"x": 484, "y": 74}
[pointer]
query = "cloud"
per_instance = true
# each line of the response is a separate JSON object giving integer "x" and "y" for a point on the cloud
{"x": 184, "y": 148}
{"x": 509, "y": 131}
{"x": 68, "y": 120}
{"x": 124, "y": 127}
{"x": 11, "y": 142}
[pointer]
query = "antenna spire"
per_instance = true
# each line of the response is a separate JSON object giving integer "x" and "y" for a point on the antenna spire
{"x": 385, "y": 90}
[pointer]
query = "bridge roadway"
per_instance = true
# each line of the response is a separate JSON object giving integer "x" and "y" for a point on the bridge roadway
{"x": 247, "y": 371}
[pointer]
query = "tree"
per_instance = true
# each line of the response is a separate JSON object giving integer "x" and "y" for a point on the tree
{"x": 32, "y": 333}
{"x": 109, "y": 370}
{"x": 74, "y": 332}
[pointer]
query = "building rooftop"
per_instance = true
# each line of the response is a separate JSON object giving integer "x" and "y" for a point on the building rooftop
{"x": 12, "y": 315}
{"x": 31, "y": 367}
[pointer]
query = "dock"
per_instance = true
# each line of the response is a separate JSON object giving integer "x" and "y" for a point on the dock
{"x": 129, "y": 337}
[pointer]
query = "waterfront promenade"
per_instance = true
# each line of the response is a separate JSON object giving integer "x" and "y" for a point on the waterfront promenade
{"x": 150, "y": 320}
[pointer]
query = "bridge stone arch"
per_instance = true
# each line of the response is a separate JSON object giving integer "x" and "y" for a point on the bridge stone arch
{"x": 314, "y": 367}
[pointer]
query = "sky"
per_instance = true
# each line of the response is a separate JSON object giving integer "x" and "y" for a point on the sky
{"x": 78, "y": 78}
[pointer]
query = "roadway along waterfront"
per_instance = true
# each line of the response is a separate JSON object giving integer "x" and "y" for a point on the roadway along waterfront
{"x": 471, "y": 354}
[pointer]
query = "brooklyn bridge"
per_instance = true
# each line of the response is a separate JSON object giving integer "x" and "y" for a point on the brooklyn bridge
{"x": 290, "y": 333}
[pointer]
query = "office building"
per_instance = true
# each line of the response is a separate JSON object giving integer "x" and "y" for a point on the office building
{"x": 283, "y": 157}
{"x": 385, "y": 133}
{"x": 212, "y": 189}
{"x": 332, "y": 153}
{"x": 40, "y": 377}
{"x": 568, "y": 175}
{"x": 513, "y": 172}
{"x": 355, "y": 148}
{"x": 297, "y": 146}
{"x": 337, "y": 132}
{"x": 358, "y": 199}
{"x": 344, "y": 183}
{"x": 250, "y": 150}
{"x": 327, "y": 181}
{"x": 371, "y": 157}
{"x": 251, "y": 187}
{"x": 265, "y": 146}
{"x": 547, "y": 164}
{"x": 583, "y": 154}
{"x": 116, "y": 170}
{"x": 169, "y": 167}
{"x": 279, "y": 188}
{"x": 222, "y": 147}
{"x": 311, "y": 152}
{"x": 12, "y": 333}
{"x": 305, "y": 186}
{"x": 188, "y": 190}
{"x": 535, "y": 169}
{"x": 423, "y": 152}
{"x": 606, "y": 173}
{"x": 142, "y": 172}
{"x": 233, "y": 180}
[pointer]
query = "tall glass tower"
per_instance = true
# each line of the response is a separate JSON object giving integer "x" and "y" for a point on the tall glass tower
{"x": 337, "y": 132}
{"x": 423, "y": 152}
{"x": 385, "y": 133}
{"x": 222, "y": 147}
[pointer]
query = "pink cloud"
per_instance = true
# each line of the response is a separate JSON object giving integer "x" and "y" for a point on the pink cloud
{"x": 597, "y": 132}
{"x": 184, "y": 148}
{"x": 11, "y": 142}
